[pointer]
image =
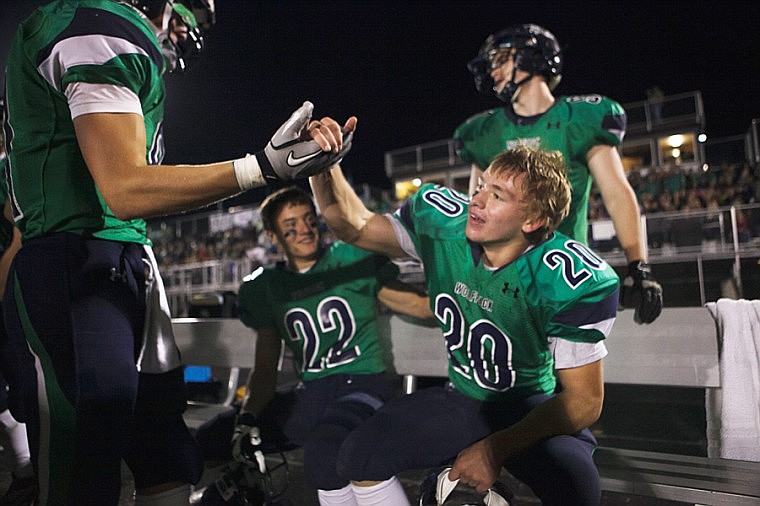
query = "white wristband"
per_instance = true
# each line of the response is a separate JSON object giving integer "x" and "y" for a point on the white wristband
{"x": 248, "y": 172}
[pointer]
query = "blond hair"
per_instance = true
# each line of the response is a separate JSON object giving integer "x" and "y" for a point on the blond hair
{"x": 545, "y": 187}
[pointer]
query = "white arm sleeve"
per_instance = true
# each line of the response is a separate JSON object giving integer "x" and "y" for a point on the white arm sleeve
{"x": 87, "y": 98}
{"x": 569, "y": 354}
{"x": 402, "y": 236}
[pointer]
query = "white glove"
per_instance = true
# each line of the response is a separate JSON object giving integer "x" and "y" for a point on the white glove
{"x": 246, "y": 442}
{"x": 286, "y": 157}
{"x": 498, "y": 495}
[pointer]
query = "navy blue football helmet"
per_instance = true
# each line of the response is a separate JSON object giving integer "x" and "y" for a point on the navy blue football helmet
{"x": 536, "y": 52}
{"x": 197, "y": 15}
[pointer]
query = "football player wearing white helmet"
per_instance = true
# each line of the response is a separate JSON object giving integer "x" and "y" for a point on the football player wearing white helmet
{"x": 522, "y": 65}
{"x": 93, "y": 359}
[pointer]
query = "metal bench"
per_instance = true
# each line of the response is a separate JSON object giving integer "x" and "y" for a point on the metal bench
{"x": 680, "y": 349}
{"x": 696, "y": 480}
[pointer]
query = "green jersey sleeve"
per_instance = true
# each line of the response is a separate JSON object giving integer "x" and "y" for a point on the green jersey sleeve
{"x": 254, "y": 300}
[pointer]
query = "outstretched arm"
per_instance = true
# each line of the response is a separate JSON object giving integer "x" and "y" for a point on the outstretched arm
{"x": 113, "y": 146}
{"x": 348, "y": 217}
{"x": 576, "y": 407}
{"x": 405, "y": 299}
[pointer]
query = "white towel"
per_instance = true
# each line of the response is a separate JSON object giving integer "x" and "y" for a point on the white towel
{"x": 733, "y": 421}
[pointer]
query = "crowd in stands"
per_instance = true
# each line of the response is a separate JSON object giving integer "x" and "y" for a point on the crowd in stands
{"x": 669, "y": 188}
{"x": 233, "y": 244}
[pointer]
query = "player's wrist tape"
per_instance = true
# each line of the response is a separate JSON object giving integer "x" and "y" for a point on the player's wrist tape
{"x": 254, "y": 170}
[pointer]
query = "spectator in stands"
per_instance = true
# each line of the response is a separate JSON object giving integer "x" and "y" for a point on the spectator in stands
{"x": 322, "y": 303}
{"x": 703, "y": 179}
{"x": 706, "y": 194}
{"x": 85, "y": 100}
{"x": 652, "y": 183}
{"x": 743, "y": 232}
{"x": 522, "y": 65}
{"x": 512, "y": 320}
{"x": 745, "y": 184}
{"x": 635, "y": 180}
{"x": 713, "y": 205}
{"x": 693, "y": 201}
{"x": 596, "y": 209}
{"x": 665, "y": 202}
{"x": 726, "y": 195}
{"x": 673, "y": 179}
{"x": 649, "y": 204}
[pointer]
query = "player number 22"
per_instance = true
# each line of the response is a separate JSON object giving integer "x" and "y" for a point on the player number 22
{"x": 333, "y": 313}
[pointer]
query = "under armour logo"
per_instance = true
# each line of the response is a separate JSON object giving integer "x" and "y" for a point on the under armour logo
{"x": 549, "y": 125}
{"x": 514, "y": 291}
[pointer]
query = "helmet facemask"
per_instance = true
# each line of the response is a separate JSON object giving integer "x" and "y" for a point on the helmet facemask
{"x": 193, "y": 15}
{"x": 536, "y": 51}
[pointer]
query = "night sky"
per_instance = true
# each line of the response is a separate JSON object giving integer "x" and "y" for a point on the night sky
{"x": 400, "y": 66}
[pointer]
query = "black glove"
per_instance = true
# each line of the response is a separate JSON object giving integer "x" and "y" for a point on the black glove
{"x": 246, "y": 442}
{"x": 641, "y": 292}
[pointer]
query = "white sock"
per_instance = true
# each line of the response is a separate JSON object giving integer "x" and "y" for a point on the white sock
{"x": 13, "y": 440}
{"x": 386, "y": 493}
{"x": 179, "y": 496}
{"x": 340, "y": 497}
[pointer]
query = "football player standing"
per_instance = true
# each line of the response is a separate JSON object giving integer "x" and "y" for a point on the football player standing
{"x": 95, "y": 363}
{"x": 522, "y": 65}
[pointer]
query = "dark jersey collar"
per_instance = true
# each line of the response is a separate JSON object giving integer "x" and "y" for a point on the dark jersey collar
{"x": 524, "y": 120}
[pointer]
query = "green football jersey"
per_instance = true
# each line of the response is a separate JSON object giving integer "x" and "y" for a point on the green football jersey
{"x": 497, "y": 323}
{"x": 64, "y": 42}
{"x": 327, "y": 315}
{"x": 573, "y": 125}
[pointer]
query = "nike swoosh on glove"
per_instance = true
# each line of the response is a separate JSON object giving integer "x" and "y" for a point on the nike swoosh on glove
{"x": 286, "y": 157}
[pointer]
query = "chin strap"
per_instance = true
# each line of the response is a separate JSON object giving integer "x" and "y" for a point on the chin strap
{"x": 508, "y": 93}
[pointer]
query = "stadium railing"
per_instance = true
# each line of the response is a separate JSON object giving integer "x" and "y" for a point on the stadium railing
{"x": 702, "y": 251}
